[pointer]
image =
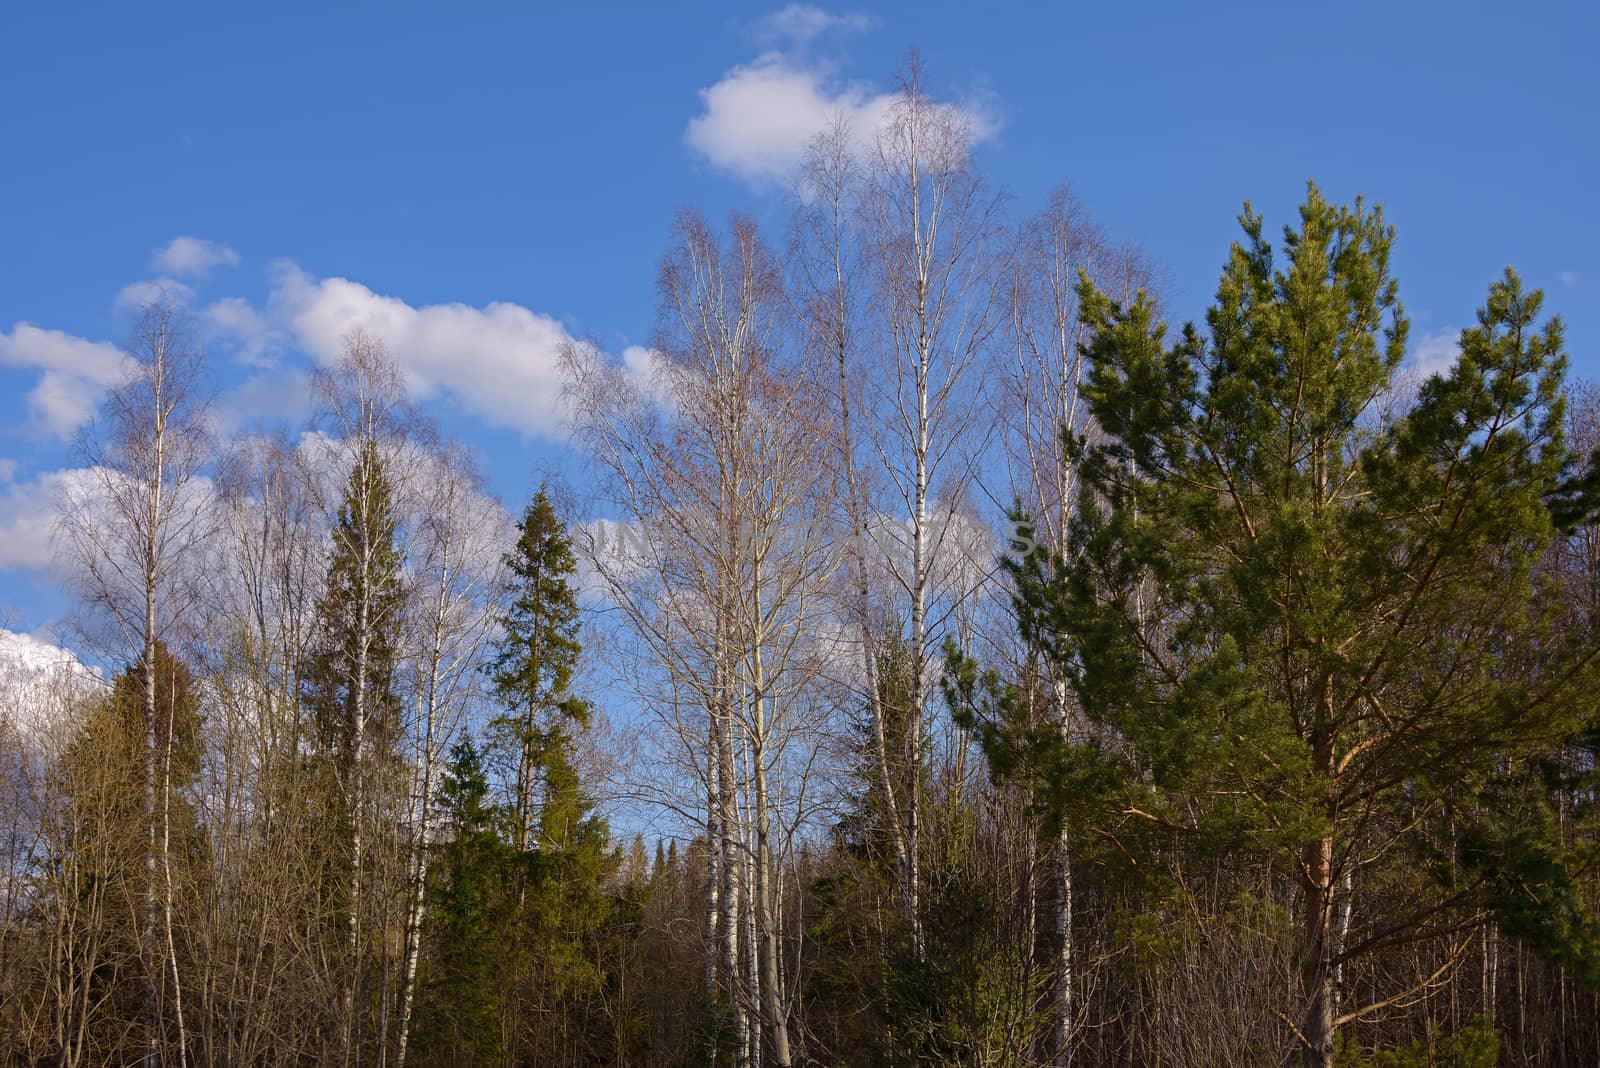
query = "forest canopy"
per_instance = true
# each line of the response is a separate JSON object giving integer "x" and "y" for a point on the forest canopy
{"x": 942, "y": 658}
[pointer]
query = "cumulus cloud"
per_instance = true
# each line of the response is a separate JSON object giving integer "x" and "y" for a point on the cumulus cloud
{"x": 237, "y": 322}
{"x": 38, "y": 653}
{"x": 758, "y": 119}
{"x": 76, "y": 374}
{"x": 640, "y": 368}
{"x": 39, "y": 683}
{"x": 803, "y": 23}
{"x": 499, "y": 361}
{"x": 154, "y": 290}
{"x": 192, "y": 256}
{"x": 28, "y": 512}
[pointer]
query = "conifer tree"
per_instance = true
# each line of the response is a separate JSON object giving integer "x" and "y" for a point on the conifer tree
{"x": 564, "y": 855}
{"x": 1318, "y": 639}
{"x": 350, "y": 682}
{"x": 458, "y": 1008}
{"x": 105, "y": 772}
{"x": 533, "y": 665}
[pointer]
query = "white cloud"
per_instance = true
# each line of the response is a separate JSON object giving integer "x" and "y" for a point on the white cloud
{"x": 500, "y": 361}
{"x": 759, "y": 119}
{"x": 1568, "y": 278}
{"x": 8, "y": 469}
{"x": 30, "y": 346}
{"x": 1435, "y": 353}
{"x": 803, "y": 23}
{"x": 28, "y": 512}
{"x": 33, "y": 536}
{"x": 192, "y": 256}
{"x": 640, "y": 368}
{"x": 236, "y": 321}
{"x": 40, "y": 682}
{"x": 76, "y": 374}
{"x": 34, "y": 653}
{"x": 153, "y": 290}
{"x": 61, "y": 403}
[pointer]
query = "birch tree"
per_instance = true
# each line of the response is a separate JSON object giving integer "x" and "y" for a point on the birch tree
{"x": 455, "y": 584}
{"x": 136, "y": 530}
{"x": 722, "y": 477}
{"x": 351, "y": 679}
{"x": 269, "y": 569}
{"x": 929, "y": 230}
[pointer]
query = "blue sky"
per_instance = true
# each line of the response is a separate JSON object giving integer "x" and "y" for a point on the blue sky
{"x": 389, "y": 162}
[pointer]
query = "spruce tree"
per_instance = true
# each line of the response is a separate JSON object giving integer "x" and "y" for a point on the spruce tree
{"x": 1309, "y": 635}
{"x": 564, "y": 855}
{"x": 469, "y": 938}
{"x": 105, "y": 773}
{"x": 350, "y": 676}
{"x": 350, "y": 680}
{"x": 534, "y": 660}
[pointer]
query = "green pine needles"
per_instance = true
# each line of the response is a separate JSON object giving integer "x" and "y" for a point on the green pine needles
{"x": 1312, "y": 625}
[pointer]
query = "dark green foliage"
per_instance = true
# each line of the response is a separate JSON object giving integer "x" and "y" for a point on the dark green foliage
{"x": 972, "y": 1000}
{"x": 1474, "y": 1046}
{"x": 470, "y": 911}
{"x": 358, "y": 619}
{"x": 1529, "y": 883}
{"x": 529, "y": 918}
{"x": 866, "y": 828}
{"x": 1293, "y": 618}
{"x": 520, "y": 945}
{"x": 535, "y": 656}
{"x": 539, "y": 648}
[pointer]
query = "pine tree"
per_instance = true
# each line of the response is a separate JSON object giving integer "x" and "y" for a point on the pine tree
{"x": 1314, "y": 634}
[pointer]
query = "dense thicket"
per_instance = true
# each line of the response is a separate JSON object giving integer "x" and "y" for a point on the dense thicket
{"x": 981, "y": 672}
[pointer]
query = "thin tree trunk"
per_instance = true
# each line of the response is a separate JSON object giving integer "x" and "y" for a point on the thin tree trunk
{"x": 151, "y": 747}
{"x": 1317, "y": 972}
{"x": 419, "y": 875}
{"x": 166, "y": 868}
{"x": 1064, "y": 977}
{"x": 772, "y": 996}
{"x": 731, "y": 900}
{"x": 713, "y": 894}
{"x": 356, "y": 1008}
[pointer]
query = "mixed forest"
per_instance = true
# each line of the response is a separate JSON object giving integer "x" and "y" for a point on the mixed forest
{"x": 941, "y": 659}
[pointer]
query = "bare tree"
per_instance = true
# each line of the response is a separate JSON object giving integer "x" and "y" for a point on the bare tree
{"x": 136, "y": 530}
{"x": 827, "y": 259}
{"x": 720, "y": 464}
{"x": 461, "y": 535}
{"x": 931, "y": 238}
{"x": 268, "y": 975}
